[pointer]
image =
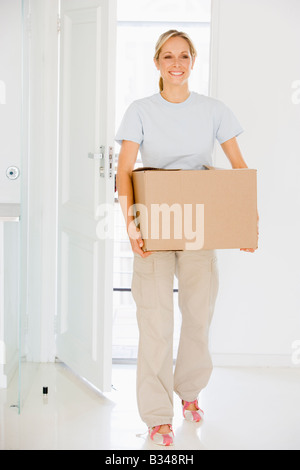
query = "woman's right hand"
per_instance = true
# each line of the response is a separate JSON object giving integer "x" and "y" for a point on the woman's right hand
{"x": 136, "y": 241}
{"x": 126, "y": 162}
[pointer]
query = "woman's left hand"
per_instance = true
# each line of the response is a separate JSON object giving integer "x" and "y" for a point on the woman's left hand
{"x": 251, "y": 250}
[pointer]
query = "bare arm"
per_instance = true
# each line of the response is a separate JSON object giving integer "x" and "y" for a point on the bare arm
{"x": 234, "y": 155}
{"x": 127, "y": 159}
{"x": 232, "y": 151}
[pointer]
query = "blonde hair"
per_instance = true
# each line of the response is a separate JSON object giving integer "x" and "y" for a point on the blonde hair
{"x": 163, "y": 38}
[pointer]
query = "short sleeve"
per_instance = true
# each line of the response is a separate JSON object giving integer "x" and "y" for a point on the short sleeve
{"x": 131, "y": 127}
{"x": 228, "y": 125}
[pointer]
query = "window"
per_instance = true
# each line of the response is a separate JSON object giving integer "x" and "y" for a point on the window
{"x": 140, "y": 23}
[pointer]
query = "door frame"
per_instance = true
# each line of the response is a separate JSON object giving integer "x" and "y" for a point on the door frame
{"x": 39, "y": 174}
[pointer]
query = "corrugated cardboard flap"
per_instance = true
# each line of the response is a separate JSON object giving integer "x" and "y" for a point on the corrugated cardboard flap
{"x": 148, "y": 168}
{"x": 208, "y": 167}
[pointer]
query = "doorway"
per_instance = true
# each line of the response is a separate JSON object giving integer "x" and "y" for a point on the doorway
{"x": 139, "y": 24}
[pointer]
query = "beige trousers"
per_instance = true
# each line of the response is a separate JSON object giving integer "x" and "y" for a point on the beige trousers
{"x": 152, "y": 290}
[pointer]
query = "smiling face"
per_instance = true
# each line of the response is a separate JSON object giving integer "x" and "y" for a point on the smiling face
{"x": 175, "y": 61}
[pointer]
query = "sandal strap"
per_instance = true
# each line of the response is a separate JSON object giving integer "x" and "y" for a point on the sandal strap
{"x": 155, "y": 429}
{"x": 187, "y": 403}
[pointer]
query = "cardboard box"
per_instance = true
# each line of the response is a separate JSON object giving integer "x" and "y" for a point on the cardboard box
{"x": 196, "y": 209}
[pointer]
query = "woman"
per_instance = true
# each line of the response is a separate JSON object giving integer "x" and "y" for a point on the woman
{"x": 175, "y": 128}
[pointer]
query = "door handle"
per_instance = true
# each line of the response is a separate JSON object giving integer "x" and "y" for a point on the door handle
{"x": 99, "y": 156}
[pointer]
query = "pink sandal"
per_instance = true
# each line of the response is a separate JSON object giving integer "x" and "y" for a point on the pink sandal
{"x": 192, "y": 415}
{"x": 161, "y": 439}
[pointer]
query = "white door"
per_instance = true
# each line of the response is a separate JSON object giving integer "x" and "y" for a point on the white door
{"x": 86, "y": 184}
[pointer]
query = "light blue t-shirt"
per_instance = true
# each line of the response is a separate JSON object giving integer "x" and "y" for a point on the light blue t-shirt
{"x": 178, "y": 135}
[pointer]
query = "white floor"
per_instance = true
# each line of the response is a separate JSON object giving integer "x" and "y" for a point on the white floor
{"x": 245, "y": 409}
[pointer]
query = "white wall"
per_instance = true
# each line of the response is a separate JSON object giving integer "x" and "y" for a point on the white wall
{"x": 9, "y": 300}
{"x": 10, "y": 97}
{"x": 256, "y": 71}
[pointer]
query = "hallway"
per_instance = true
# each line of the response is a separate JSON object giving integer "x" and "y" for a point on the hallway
{"x": 245, "y": 409}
